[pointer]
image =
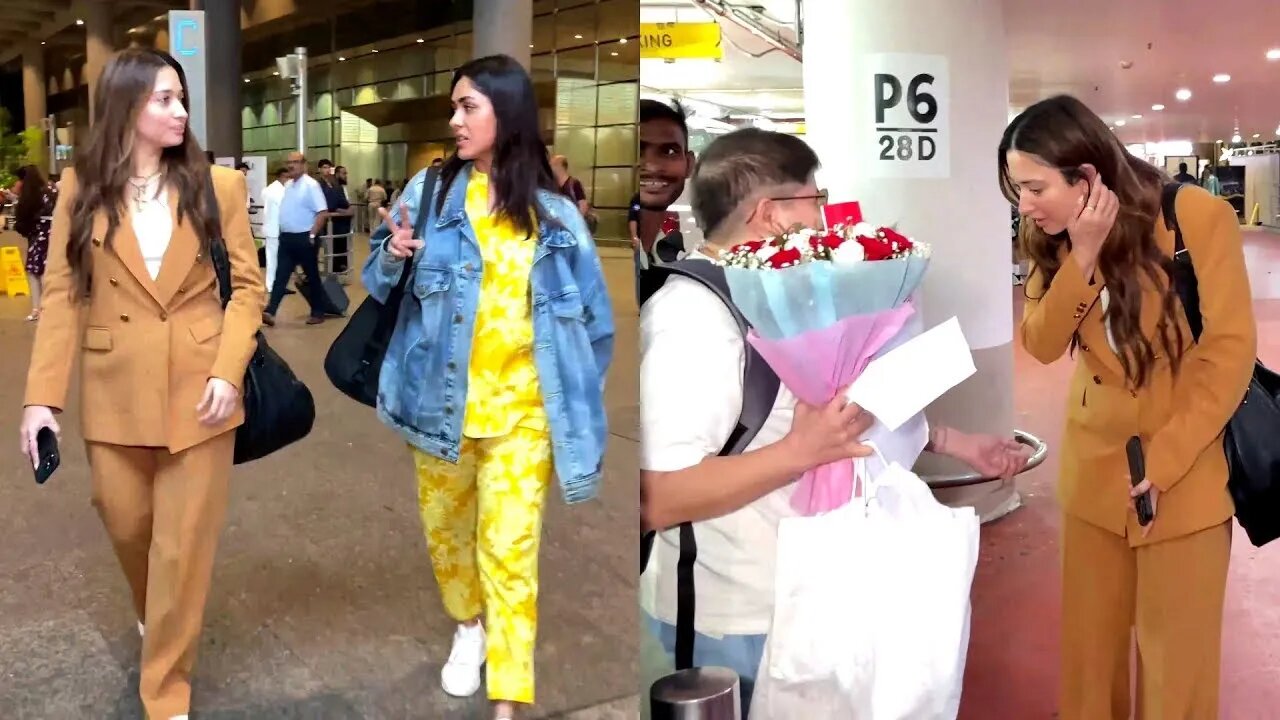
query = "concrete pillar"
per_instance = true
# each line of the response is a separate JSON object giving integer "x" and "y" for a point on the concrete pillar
{"x": 98, "y": 45}
{"x": 34, "y": 91}
{"x": 222, "y": 31}
{"x": 503, "y": 27}
{"x": 908, "y": 126}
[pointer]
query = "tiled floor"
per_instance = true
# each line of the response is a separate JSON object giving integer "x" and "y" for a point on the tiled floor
{"x": 324, "y": 606}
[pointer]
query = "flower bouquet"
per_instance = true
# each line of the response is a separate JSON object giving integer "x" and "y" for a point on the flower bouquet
{"x": 822, "y": 303}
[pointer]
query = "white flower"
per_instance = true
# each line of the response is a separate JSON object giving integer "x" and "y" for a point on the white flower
{"x": 766, "y": 252}
{"x": 865, "y": 229}
{"x": 849, "y": 253}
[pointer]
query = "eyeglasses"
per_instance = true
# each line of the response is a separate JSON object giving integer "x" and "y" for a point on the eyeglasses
{"x": 821, "y": 197}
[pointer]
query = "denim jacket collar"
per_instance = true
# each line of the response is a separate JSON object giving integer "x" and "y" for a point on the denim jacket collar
{"x": 454, "y": 211}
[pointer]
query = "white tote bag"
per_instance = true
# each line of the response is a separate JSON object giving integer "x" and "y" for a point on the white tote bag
{"x": 871, "y": 609}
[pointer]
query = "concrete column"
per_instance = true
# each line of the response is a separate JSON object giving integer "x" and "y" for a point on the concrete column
{"x": 222, "y": 31}
{"x": 35, "y": 93}
{"x": 98, "y": 45}
{"x": 503, "y": 27}
{"x": 924, "y": 157}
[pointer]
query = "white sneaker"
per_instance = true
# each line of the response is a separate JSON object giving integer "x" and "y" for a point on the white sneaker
{"x": 460, "y": 676}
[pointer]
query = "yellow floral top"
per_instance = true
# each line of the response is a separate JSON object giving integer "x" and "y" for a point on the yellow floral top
{"x": 502, "y": 381}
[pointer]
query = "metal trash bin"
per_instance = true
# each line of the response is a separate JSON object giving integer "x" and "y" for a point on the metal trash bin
{"x": 704, "y": 693}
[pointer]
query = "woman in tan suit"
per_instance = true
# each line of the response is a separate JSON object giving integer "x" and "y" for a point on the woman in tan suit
{"x": 1100, "y": 288}
{"x": 131, "y": 293}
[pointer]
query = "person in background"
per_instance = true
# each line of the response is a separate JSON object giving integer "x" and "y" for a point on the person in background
{"x": 1211, "y": 182}
{"x": 132, "y": 298}
{"x": 244, "y": 169}
{"x": 1100, "y": 292}
{"x": 325, "y": 167}
{"x": 303, "y": 214}
{"x": 665, "y": 165}
{"x": 32, "y": 219}
{"x": 272, "y": 196}
{"x": 340, "y": 214}
{"x": 495, "y": 376}
{"x": 1183, "y": 176}
{"x": 570, "y": 185}
{"x": 376, "y": 199}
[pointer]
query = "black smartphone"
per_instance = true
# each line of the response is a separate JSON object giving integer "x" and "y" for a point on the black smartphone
{"x": 47, "y": 451}
{"x": 1138, "y": 473}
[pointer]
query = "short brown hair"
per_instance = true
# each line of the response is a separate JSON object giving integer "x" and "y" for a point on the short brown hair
{"x": 740, "y": 164}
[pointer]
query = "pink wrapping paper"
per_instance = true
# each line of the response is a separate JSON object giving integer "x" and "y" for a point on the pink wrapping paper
{"x": 817, "y": 365}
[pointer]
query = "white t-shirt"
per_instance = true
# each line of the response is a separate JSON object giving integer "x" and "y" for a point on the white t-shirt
{"x": 271, "y": 197}
{"x": 692, "y": 359}
{"x": 153, "y": 226}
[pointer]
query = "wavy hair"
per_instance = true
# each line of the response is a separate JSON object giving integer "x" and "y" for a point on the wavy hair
{"x": 105, "y": 165}
{"x": 1063, "y": 133}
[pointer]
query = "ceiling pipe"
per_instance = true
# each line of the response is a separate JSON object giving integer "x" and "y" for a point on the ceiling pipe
{"x": 755, "y": 27}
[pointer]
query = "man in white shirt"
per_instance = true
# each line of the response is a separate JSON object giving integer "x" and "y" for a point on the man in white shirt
{"x": 748, "y": 185}
{"x": 271, "y": 198}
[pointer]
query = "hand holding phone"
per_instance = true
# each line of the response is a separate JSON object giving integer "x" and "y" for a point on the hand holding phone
{"x": 47, "y": 454}
{"x": 1138, "y": 473}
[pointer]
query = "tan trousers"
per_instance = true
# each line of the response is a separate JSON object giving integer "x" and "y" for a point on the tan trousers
{"x": 164, "y": 513}
{"x": 1168, "y": 596}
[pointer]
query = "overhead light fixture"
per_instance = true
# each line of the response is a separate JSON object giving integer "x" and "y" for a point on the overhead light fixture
{"x": 246, "y": 80}
{"x": 1183, "y": 94}
{"x": 1257, "y": 135}
{"x": 1119, "y": 123}
{"x": 577, "y": 37}
{"x": 341, "y": 59}
{"x": 420, "y": 40}
{"x": 375, "y": 50}
{"x": 1273, "y": 54}
{"x": 276, "y": 73}
{"x": 79, "y": 21}
{"x": 1137, "y": 117}
{"x": 41, "y": 42}
{"x": 1157, "y": 107}
{"x": 623, "y": 41}
{"x": 614, "y": 54}
{"x": 1235, "y": 138}
{"x": 1222, "y": 78}
{"x": 530, "y": 46}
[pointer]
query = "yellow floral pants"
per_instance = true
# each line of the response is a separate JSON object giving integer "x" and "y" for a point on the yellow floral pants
{"x": 483, "y": 522}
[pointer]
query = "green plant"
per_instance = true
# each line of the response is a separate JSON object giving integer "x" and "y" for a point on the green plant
{"x": 15, "y": 148}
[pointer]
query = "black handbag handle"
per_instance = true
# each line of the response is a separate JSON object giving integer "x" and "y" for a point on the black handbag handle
{"x": 217, "y": 247}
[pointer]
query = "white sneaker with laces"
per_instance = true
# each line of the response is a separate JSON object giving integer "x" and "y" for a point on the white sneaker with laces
{"x": 460, "y": 676}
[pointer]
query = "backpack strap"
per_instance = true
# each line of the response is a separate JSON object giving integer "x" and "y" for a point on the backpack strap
{"x": 759, "y": 392}
{"x": 1183, "y": 272}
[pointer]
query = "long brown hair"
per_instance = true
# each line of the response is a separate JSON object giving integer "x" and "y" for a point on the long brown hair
{"x": 30, "y": 200}
{"x": 104, "y": 167}
{"x": 1065, "y": 134}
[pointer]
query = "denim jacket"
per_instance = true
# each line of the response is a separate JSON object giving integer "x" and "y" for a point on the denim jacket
{"x": 422, "y": 390}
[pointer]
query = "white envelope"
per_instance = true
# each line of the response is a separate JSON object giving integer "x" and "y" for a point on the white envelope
{"x": 904, "y": 381}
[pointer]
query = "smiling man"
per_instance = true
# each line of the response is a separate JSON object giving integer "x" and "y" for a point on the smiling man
{"x": 665, "y": 165}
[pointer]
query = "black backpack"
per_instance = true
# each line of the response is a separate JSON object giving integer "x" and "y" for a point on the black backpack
{"x": 759, "y": 391}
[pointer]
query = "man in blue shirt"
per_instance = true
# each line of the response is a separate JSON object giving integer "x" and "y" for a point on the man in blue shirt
{"x": 303, "y": 213}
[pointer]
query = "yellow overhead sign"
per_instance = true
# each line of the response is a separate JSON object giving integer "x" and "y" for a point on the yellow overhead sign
{"x": 672, "y": 41}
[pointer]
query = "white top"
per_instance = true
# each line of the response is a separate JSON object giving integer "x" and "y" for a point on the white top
{"x": 691, "y": 363}
{"x": 271, "y": 197}
{"x": 1105, "y": 298}
{"x": 153, "y": 226}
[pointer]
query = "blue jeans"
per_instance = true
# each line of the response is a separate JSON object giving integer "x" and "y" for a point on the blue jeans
{"x": 739, "y": 653}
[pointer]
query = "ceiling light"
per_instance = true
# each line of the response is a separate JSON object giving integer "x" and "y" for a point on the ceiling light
{"x": 1119, "y": 123}
{"x": 246, "y": 80}
{"x": 1235, "y": 138}
{"x": 1157, "y": 107}
{"x": 530, "y": 46}
{"x": 1137, "y": 117}
{"x": 1273, "y": 54}
{"x": 577, "y": 37}
{"x": 41, "y": 42}
{"x": 277, "y": 73}
{"x": 79, "y": 21}
{"x": 1257, "y": 135}
{"x": 375, "y": 50}
{"x": 1183, "y": 94}
{"x": 614, "y": 54}
{"x": 1222, "y": 78}
{"x": 341, "y": 59}
{"x": 421, "y": 40}
{"x": 623, "y": 41}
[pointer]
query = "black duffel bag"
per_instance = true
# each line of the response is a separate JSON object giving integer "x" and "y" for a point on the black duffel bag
{"x": 1253, "y": 457}
{"x": 278, "y": 407}
{"x": 354, "y": 361}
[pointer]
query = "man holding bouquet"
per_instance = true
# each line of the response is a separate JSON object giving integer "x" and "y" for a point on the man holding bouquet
{"x": 748, "y": 185}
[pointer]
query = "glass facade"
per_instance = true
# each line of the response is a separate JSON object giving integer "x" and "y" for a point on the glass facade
{"x": 382, "y": 109}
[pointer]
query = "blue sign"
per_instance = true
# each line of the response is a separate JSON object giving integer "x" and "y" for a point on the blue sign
{"x": 187, "y": 44}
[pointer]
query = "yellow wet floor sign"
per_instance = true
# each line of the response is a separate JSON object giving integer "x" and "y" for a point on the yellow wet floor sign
{"x": 13, "y": 275}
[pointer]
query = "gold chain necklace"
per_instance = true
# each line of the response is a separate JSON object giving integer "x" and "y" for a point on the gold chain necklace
{"x": 140, "y": 198}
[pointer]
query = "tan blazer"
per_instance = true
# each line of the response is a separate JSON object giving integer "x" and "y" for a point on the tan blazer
{"x": 147, "y": 348}
{"x": 1179, "y": 420}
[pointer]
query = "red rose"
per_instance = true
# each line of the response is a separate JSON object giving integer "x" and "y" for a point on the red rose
{"x": 876, "y": 248}
{"x": 747, "y": 248}
{"x": 783, "y": 258}
{"x": 894, "y": 237}
{"x": 833, "y": 241}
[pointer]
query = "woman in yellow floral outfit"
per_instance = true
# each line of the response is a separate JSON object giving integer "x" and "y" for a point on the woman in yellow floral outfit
{"x": 495, "y": 373}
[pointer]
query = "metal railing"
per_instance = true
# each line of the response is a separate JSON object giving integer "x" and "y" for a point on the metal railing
{"x": 1039, "y": 451}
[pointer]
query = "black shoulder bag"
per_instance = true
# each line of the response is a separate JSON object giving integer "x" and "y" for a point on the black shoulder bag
{"x": 759, "y": 391}
{"x": 354, "y": 361}
{"x": 278, "y": 407}
{"x": 1253, "y": 458}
